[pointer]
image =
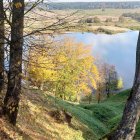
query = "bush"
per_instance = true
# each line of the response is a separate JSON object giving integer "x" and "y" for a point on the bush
{"x": 135, "y": 16}
{"x": 108, "y": 20}
{"x": 81, "y": 21}
{"x": 102, "y": 30}
{"x": 121, "y": 19}
{"x": 89, "y": 20}
{"x": 97, "y": 20}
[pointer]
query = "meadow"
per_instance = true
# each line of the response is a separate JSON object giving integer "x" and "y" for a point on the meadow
{"x": 73, "y": 17}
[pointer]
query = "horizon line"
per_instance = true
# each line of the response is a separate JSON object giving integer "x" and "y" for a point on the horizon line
{"x": 97, "y": 1}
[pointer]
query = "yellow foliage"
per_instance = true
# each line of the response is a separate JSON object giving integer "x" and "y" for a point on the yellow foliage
{"x": 71, "y": 68}
{"x": 18, "y": 5}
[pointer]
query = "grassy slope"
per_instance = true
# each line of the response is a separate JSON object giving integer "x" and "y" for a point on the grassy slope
{"x": 90, "y": 122}
{"x": 101, "y": 118}
{"x": 35, "y": 123}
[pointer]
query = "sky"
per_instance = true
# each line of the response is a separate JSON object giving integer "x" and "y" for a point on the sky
{"x": 91, "y": 0}
{"x": 86, "y": 0}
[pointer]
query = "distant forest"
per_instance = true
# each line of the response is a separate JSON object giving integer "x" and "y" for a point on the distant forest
{"x": 89, "y": 5}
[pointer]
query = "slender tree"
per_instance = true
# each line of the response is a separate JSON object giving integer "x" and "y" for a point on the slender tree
{"x": 127, "y": 127}
{"x": 11, "y": 101}
{"x": 1, "y": 45}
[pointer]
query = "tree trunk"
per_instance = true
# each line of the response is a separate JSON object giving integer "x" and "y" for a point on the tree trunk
{"x": 127, "y": 127}
{"x": 108, "y": 89}
{"x": 99, "y": 98}
{"x": 11, "y": 101}
{"x": 1, "y": 46}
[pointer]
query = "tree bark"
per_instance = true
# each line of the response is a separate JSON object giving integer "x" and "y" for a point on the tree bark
{"x": 127, "y": 127}
{"x": 12, "y": 98}
{"x": 1, "y": 46}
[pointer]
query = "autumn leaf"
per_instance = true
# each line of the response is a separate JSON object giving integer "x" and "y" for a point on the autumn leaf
{"x": 18, "y": 5}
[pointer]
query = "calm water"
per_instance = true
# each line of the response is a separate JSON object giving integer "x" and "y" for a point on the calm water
{"x": 118, "y": 50}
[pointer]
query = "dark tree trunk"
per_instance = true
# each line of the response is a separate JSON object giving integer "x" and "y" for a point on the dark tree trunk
{"x": 127, "y": 127}
{"x": 108, "y": 88}
{"x": 99, "y": 93}
{"x": 11, "y": 101}
{"x": 1, "y": 46}
{"x": 99, "y": 98}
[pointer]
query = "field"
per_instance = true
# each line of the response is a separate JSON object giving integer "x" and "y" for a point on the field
{"x": 89, "y": 121}
{"x": 115, "y": 25}
{"x": 47, "y": 18}
{"x": 107, "y": 12}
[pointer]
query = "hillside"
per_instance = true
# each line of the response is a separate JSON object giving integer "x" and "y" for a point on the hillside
{"x": 89, "y": 122}
{"x": 102, "y": 118}
{"x": 35, "y": 122}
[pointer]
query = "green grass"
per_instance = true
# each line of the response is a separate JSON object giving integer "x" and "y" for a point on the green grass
{"x": 89, "y": 122}
{"x": 100, "y": 118}
{"x": 85, "y": 116}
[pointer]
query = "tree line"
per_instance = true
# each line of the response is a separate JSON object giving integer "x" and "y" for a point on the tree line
{"x": 90, "y": 5}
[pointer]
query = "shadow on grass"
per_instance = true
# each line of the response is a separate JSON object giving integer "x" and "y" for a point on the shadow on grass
{"x": 33, "y": 120}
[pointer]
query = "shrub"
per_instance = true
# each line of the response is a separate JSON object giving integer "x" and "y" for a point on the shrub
{"x": 89, "y": 20}
{"x": 121, "y": 19}
{"x": 97, "y": 20}
{"x": 108, "y": 20}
